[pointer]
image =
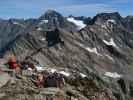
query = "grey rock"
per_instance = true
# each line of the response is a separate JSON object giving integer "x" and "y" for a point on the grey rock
{"x": 4, "y": 78}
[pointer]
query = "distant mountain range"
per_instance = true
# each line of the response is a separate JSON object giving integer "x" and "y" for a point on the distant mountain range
{"x": 100, "y": 47}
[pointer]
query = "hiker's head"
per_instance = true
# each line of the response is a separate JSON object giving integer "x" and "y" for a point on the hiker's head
{"x": 12, "y": 59}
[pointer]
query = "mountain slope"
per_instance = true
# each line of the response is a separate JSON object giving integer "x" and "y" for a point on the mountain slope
{"x": 102, "y": 52}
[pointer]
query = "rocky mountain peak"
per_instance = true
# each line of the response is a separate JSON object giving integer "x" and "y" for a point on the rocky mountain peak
{"x": 106, "y": 16}
{"x": 52, "y": 20}
{"x": 50, "y": 13}
{"x": 103, "y": 17}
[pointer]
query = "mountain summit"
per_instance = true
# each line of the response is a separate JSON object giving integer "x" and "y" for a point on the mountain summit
{"x": 56, "y": 20}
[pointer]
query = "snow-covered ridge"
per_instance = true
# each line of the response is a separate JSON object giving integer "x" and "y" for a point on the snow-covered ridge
{"x": 113, "y": 75}
{"x": 43, "y": 39}
{"x": 80, "y": 24}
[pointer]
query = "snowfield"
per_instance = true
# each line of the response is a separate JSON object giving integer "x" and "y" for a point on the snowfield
{"x": 78, "y": 23}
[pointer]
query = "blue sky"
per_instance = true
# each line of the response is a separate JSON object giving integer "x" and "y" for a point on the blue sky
{"x": 35, "y": 8}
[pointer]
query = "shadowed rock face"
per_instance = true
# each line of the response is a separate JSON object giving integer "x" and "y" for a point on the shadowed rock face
{"x": 53, "y": 37}
{"x": 99, "y": 57}
{"x": 129, "y": 22}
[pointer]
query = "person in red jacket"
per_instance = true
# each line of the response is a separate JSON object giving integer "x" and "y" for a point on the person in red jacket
{"x": 13, "y": 64}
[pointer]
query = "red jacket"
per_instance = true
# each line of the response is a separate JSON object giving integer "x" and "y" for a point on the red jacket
{"x": 13, "y": 65}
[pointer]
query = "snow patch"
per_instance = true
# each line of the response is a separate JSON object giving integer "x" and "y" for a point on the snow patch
{"x": 39, "y": 68}
{"x": 53, "y": 70}
{"x": 83, "y": 75}
{"x": 80, "y": 24}
{"x": 111, "y": 42}
{"x": 64, "y": 73}
{"x": 43, "y": 22}
{"x": 113, "y": 75}
{"x": 111, "y": 58}
{"x": 39, "y": 29}
{"x": 111, "y": 20}
{"x": 93, "y": 50}
{"x": 61, "y": 72}
{"x": 29, "y": 69}
{"x": 43, "y": 39}
{"x": 103, "y": 26}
